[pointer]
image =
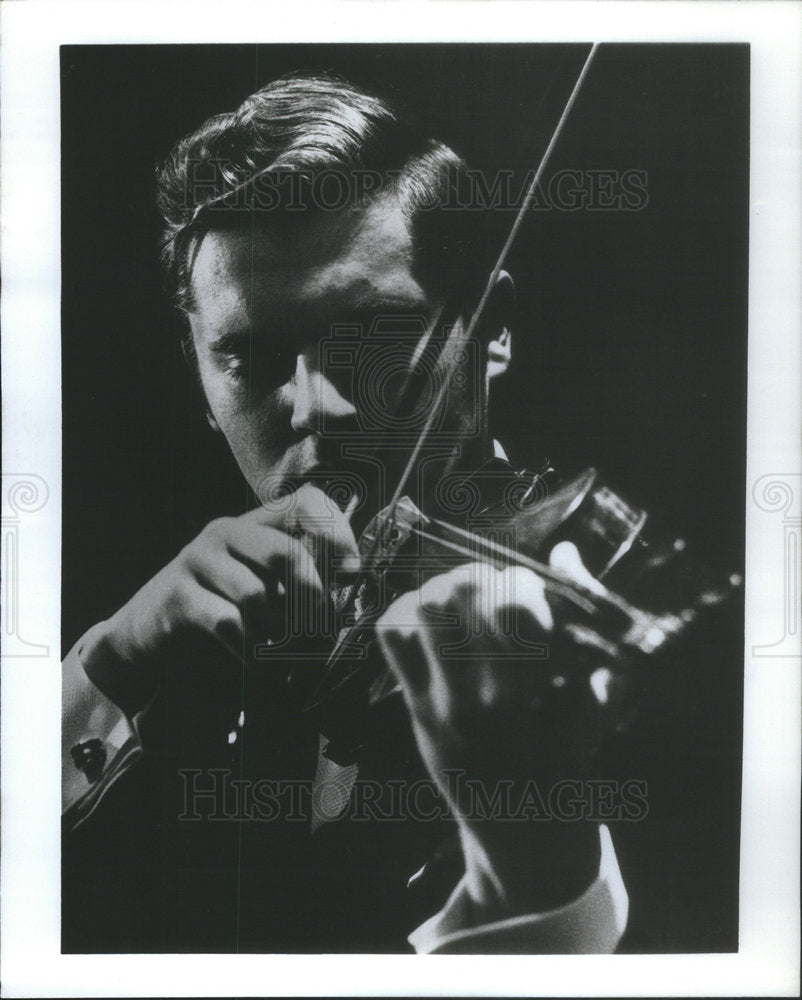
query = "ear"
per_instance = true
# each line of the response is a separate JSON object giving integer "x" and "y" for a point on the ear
{"x": 499, "y": 314}
{"x": 188, "y": 351}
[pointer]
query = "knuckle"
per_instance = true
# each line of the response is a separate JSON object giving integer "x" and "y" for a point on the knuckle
{"x": 268, "y": 548}
{"x": 210, "y": 539}
{"x": 298, "y": 565}
{"x": 524, "y": 593}
{"x": 177, "y": 608}
{"x": 253, "y": 593}
{"x": 225, "y": 624}
{"x": 304, "y": 508}
{"x": 176, "y": 598}
{"x": 190, "y": 559}
{"x": 172, "y": 613}
{"x": 217, "y": 528}
{"x": 400, "y": 620}
{"x": 450, "y": 590}
{"x": 475, "y": 593}
{"x": 312, "y": 502}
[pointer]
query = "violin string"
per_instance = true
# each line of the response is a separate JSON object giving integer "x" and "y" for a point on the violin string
{"x": 508, "y": 558}
{"x": 637, "y": 628}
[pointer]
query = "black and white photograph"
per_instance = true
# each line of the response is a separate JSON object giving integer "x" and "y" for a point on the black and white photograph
{"x": 406, "y": 431}
{"x": 325, "y": 746}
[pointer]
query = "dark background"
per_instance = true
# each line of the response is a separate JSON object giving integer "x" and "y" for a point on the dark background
{"x": 630, "y": 348}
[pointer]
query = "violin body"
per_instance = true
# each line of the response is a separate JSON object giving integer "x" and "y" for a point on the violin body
{"x": 631, "y": 602}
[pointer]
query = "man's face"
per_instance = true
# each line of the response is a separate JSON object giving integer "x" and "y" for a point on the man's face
{"x": 264, "y": 307}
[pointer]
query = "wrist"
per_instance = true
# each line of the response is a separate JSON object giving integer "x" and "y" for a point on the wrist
{"x": 113, "y": 664}
{"x": 517, "y": 868}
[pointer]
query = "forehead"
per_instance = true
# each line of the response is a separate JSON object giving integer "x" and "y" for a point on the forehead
{"x": 332, "y": 261}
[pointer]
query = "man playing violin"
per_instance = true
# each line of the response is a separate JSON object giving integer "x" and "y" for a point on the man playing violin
{"x": 268, "y": 269}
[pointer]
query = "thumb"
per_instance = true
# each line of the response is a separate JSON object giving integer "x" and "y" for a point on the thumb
{"x": 316, "y": 520}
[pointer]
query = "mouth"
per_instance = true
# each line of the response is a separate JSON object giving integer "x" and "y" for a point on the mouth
{"x": 340, "y": 481}
{"x": 349, "y": 481}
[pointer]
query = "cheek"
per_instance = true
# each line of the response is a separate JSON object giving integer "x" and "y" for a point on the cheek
{"x": 256, "y": 425}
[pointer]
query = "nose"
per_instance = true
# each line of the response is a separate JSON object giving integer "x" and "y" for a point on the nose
{"x": 318, "y": 404}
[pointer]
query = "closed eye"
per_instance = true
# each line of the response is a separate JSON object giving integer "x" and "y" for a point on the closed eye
{"x": 249, "y": 355}
{"x": 267, "y": 368}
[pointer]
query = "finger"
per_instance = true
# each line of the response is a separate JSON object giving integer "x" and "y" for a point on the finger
{"x": 275, "y": 556}
{"x": 316, "y": 520}
{"x": 565, "y": 557}
{"x": 219, "y": 618}
{"x": 428, "y": 638}
{"x": 493, "y": 656}
{"x": 319, "y": 516}
{"x": 465, "y": 605}
{"x": 466, "y": 675}
{"x": 522, "y": 591}
{"x": 406, "y": 643}
{"x": 236, "y": 582}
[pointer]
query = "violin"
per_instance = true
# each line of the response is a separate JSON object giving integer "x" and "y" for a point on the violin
{"x": 621, "y": 601}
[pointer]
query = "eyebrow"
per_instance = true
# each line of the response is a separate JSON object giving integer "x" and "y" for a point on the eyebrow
{"x": 228, "y": 342}
{"x": 355, "y": 312}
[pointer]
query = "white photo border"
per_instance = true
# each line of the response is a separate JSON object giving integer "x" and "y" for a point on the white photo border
{"x": 768, "y": 960}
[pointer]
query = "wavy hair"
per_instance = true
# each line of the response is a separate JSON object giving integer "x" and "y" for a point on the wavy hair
{"x": 273, "y": 154}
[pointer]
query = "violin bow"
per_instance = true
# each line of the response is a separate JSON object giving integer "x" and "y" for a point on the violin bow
{"x": 476, "y": 318}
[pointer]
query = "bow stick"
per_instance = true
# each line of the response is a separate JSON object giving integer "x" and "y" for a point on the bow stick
{"x": 472, "y": 326}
